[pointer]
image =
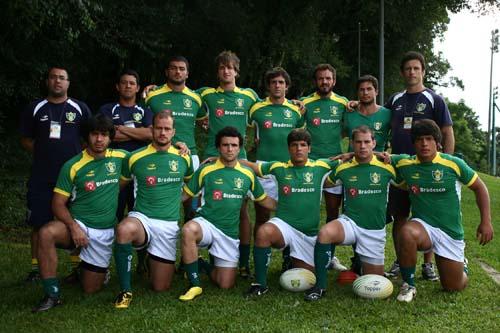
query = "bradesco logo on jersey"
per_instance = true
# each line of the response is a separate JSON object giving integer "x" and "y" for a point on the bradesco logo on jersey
{"x": 92, "y": 185}
{"x": 219, "y": 112}
{"x": 153, "y": 180}
{"x": 218, "y": 195}
{"x": 416, "y": 190}
{"x": 150, "y": 180}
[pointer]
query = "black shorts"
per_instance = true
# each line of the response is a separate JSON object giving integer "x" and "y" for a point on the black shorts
{"x": 399, "y": 203}
{"x": 39, "y": 204}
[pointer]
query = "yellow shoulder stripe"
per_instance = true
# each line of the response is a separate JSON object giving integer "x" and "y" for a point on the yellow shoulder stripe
{"x": 188, "y": 191}
{"x": 246, "y": 93}
{"x": 208, "y": 169}
{"x": 247, "y": 173}
{"x": 262, "y": 197}
{"x": 474, "y": 178}
{"x": 259, "y": 105}
{"x": 163, "y": 90}
{"x": 310, "y": 99}
{"x": 344, "y": 166}
{"x": 193, "y": 95}
{"x": 439, "y": 159}
{"x": 61, "y": 192}
{"x": 382, "y": 165}
{"x": 293, "y": 107}
{"x": 86, "y": 158}
{"x": 323, "y": 164}
{"x": 338, "y": 99}
{"x": 140, "y": 154}
{"x": 277, "y": 165}
{"x": 115, "y": 153}
{"x": 208, "y": 91}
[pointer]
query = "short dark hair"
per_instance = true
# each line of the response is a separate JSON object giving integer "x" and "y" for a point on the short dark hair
{"x": 97, "y": 123}
{"x": 425, "y": 127}
{"x": 324, "y": 67}
{"x": 230, "y": 132}
{"x": 228, "y": 57}
{"x": 162, "y": 115}
{"x": 128, "y": 71}
{"x": 362, "y": 129}
{"x": 178, "y": 58}
{"x": 367, "y": 78}
{"x": 58, "y": 66}
{"x": 298, "y": 134}
{"x": 412, "y": 55}
{"x": 275, "y": 72}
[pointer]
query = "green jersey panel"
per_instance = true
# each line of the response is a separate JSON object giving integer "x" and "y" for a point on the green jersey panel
{"x": 299, "y": 191}
{"x": 273, "y": 122}
{"x": 93, "y": 185}
{"x": 366, "y": 188}
{"x": 323, "y": 119}
{"x": 158, "y": 179}
{"x": 379, "y": 122}
{"x": 185, "y": 106}
{"x": 435, "y": 189}
{"x": 226, "y": 108}
{"x": 224, "y": 190}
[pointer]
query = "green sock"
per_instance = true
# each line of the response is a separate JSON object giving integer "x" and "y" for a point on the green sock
{"x": 193, "y": 273}
{"x": 322, "y": 257}
{"x": 51, "y": 287}
{"x": 261, "y": 257}
{"x": 123, "y": 261}
{"x": 34, "y": 264}
{"x": 332, "y": 249}
{"x": 244, "y": 255}
{"x": 408, "y": 274}
{"x": 141, "y": 257}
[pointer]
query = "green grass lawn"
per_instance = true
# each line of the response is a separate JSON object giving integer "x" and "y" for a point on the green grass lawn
{"x": 475, "y": 309}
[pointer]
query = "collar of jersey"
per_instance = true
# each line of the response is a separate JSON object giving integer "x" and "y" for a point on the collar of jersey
{"x": 220, "y": 90}
{"x": 355, "y": 161}
{"x": 291, "y": 165}
{"x": 436, "y": 159}
{"x": 218, "y": 163}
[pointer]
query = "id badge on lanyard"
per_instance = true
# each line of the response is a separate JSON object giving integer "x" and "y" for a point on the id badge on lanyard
{"x": 55, "y": 130}
{"x": 407, "y": 121}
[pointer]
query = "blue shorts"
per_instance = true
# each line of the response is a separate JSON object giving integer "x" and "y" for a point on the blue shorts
{"x": 39, "y": 204}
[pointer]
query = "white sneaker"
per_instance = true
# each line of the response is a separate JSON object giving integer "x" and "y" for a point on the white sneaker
{"x": 336, "y": 265}
{"x": 407, "y": 293}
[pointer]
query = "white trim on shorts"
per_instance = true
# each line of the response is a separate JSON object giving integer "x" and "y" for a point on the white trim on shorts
{"x": 269, "y": 184}
{"x": 337, "y": 189}
{"x": 161, "y": 236}
{"x": 224, "y": 248}
{"x": 370, "y": 244}
{"x": 100, "y": 247}
{"x": 301, "y": 245}
{"x": 442, "y": 244}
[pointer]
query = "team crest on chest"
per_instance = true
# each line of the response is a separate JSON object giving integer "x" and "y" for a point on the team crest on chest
{"x": 174, "y": 165}
{"x": 137, "y": 116}
{"x": 375, "y": 177}
{"x": 420, "y": 107}
{"x": 70, "y": 116}
{"x": 308, "y": 177}
{"x": 110, "y": 166}
{"x": 437, "y": 175}
{"x": 238, "y": 182}
{"x": 287, "y": 113}
{"x": 187, "y": 103}
{"x": 239, "y": 102}
{"x": 333, "y": 110}
{"x": 377, "y": 126}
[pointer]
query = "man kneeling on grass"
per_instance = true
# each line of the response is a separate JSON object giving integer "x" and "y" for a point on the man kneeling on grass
{"x": 91, "y": 179}
{"x": 433, "y": 180}
{"x": 225, "y": 184}
{"x": 366, "y": 183}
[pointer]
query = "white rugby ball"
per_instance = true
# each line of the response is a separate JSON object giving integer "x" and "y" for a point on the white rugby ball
{"x": 372, "y": 286}
{"x": 297, "y": 279}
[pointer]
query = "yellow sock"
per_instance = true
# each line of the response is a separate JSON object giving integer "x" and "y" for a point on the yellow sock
{"x": 74, "y": 261}
{"x": 34, "y": 264}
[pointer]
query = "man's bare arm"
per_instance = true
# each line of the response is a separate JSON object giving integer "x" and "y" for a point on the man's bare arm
{"x": 61, "y": 213}
{"x": 485, "y": 229}
{"x": 448, "y": 139}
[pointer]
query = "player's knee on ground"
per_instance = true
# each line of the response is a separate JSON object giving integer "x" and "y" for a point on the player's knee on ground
{"x": 454, "y": 283}
{"x": 92, "y": 277}
{"x": 226, "y": 278}
{"x": 161, "y": 273}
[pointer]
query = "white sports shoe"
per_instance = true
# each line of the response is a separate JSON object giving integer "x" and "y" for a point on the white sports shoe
{"x": 336, "y": 265}
{"x": 407, "y": 293}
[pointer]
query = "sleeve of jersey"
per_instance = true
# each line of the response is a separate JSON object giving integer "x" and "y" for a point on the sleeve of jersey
{"x": 86, "y": 113}
{"x": 398, "y": 181}
{"x": 147, "y": 120}
{"x": 442, "y": 114}
{"x": 126, "y": 168}
{"x": 190, "y": 169}
{"x": 467, "y": 175}
{"x": 64, "y": 184}
{"x": 258, "y": 191}
{"x": 264, "y": 168}
{"x": 193, "y": 186}
{"x": 202, "y": 112}
{"x": 332, "y": 177}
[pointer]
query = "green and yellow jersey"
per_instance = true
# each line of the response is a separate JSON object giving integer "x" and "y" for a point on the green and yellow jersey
{"x": 365, "y": 191}
{"x": 273, "y": 122}
{"x": 299, "y": 191}
{"x": 158, "y": 179}
{"x": 435, "y": 189}
{"x": 379, "y": 122}
{"x": 224, "y": 190}
{"x": 323, "y": 118}
{"x": 185, "y": 106}
{"x": 93, "y": 186}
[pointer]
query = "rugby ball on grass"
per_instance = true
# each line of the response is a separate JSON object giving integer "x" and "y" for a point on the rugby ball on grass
{"x": 297, "y": 279}
{"x": 372, "y": 286}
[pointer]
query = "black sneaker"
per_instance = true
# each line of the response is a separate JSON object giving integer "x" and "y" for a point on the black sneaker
{"x": 33, "y": 276}
{"x": 256, "y": 290}
{"x": 314, "y": 294}
{"x": 47, "y": 303}
{"x": 428, "y": 272}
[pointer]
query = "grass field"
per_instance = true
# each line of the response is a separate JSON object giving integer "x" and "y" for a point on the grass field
{"x": 475, "y": 309}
